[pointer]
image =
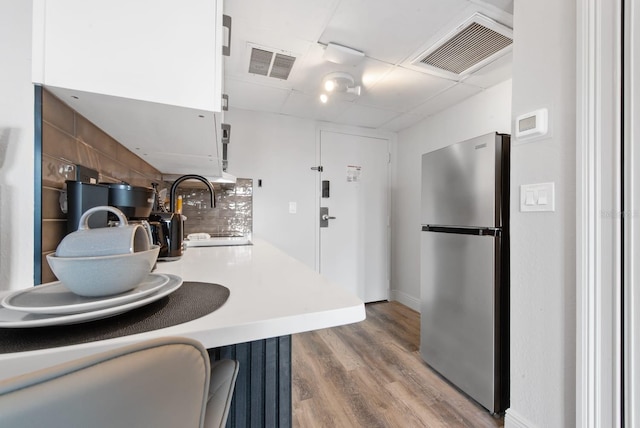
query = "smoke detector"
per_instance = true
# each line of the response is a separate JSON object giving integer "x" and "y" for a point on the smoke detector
{"x": 470, "y": 46}
{"x": 266, "y": 62}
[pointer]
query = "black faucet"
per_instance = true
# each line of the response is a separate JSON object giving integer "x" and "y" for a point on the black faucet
{"x": 174, "y": 187}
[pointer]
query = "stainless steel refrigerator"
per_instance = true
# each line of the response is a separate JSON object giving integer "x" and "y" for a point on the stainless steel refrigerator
{"x": 465, "y": 267}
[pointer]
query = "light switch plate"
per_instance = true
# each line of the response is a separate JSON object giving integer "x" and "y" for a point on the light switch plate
{"x": 293, "y": 207}
{"x": 537, "y": 197}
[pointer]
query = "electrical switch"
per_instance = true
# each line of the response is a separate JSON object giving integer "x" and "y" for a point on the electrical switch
{"x": 537, "y": 197}
{"x": 530, "y": 198}
{"x": 542, "y": 198}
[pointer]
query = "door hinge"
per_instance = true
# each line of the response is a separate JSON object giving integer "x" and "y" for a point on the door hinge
{"x": 389, "y": 158}
{"x": 317, "y": 168}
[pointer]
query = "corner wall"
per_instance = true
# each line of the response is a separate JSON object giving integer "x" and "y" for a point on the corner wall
{"x": 16, "y": 146}
{"x": 278, "y": 150}
{"x": 488, "y": 111}
{"x": 543, "y": 244}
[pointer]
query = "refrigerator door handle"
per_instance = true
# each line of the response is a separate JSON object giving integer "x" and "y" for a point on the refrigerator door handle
{"x": 479, "y": 231}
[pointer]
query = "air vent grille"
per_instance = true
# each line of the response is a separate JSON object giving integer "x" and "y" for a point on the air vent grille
{"x": 260, "y": 61}
{"x": 266, "y": 63}
{"x": 466, "y": 49}
{"x": 282, "y": 66}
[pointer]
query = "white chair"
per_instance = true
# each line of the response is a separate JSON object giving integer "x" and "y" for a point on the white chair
{"x": 158, "y": 383}
{"x": 221, "y": 386}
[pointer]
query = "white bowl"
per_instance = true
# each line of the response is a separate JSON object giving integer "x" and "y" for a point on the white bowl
{"x": 103, "y": 275}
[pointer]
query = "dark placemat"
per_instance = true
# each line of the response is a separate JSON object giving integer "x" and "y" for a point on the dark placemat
{"x": 189, "y": 302}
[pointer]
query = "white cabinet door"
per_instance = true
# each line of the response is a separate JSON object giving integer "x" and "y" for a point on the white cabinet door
{"x": 160, "y": 51}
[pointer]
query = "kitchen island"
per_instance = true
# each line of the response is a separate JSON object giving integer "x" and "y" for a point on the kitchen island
{"x": 272, "y": 296}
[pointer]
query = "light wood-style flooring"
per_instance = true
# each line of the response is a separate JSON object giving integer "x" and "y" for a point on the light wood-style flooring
{"x": 370, "y": 374}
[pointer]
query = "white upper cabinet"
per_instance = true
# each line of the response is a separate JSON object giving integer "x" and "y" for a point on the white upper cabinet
{"x": 161, "y": 51}
{"x": 148, "y": 72}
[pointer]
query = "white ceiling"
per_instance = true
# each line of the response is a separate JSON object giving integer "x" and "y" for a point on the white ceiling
{"x": 390, "y": 33}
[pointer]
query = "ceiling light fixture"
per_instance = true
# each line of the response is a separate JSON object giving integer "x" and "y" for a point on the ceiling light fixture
{"x": 339, "y": 82}
{"x": 329, "y": 85}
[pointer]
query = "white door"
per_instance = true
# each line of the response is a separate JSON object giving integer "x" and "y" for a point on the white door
{"x": 354, "y": 246}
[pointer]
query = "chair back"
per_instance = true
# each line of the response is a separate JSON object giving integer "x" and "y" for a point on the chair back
{"x": 161, "y": 383}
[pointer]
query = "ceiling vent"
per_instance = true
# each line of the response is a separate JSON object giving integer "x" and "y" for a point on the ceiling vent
{"x": 267, "y": 63}
{"x": 470, "y": 46}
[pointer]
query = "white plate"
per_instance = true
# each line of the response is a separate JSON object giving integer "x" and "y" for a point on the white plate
{"x": 56, "y": 298}
{"x": 19, "y": 319}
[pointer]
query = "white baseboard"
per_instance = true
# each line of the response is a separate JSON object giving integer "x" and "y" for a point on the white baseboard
{"x": 405, "y": 299}
{"x": 513, "y": 419}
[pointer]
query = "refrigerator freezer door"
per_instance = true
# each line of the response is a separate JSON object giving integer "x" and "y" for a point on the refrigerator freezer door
{"x": 459, "y": 183}
{"x": 457, "y": 311}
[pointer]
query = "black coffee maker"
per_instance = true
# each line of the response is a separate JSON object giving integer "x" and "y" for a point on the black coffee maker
{"x": 134, "y": 202}
{"x": 82, "y": 196}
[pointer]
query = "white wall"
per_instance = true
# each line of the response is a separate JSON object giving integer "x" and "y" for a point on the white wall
{"x": 280, "y": 150}
{"x": 486, "y": 112}
{"x": 16, "y": 146}
{"x": 543, "y": 260}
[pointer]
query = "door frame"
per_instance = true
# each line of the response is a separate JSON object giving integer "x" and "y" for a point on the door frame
{"x": 356, "y": 132}
{"x": 631, "y": 217}
{"x": 599, "y": 287}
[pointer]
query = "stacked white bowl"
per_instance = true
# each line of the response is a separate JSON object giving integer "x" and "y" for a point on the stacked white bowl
{"x": 104, "y": 261}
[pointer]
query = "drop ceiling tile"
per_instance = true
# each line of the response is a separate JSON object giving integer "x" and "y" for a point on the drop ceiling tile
{"x": 403, "y": 121}
{"x": 504, "y": 5}
{"x": 252, "y": 96}
{"x": 496, "y": 72}
{"x": 237, "y": 65}
{"x": 388, "y": 31}
{"x": 402, "y": 90}
{"x": 309, "y": 106}
{"x": 308, "y": 75}
{"x": 368, "y": 117}
{"x": 446, "y": 99}
{"x": 295, "y": 18}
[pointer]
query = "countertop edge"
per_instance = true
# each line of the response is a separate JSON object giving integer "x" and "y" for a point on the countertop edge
{"x": 325, "y": 306}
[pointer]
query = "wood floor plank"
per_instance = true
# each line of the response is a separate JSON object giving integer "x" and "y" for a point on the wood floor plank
{"x": 370, "y": 374}
{"x": 342, "y": 351}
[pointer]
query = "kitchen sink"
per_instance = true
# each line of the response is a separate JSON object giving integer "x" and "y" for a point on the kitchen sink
{"x": 218, "y": 241}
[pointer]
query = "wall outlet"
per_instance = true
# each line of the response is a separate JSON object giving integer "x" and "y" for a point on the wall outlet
{"x": 293, "y": 207}
{"x": 537, "y": 197}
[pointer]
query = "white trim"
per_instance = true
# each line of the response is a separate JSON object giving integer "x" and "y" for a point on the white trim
{"x": 587, "y": 376}
{"x": 38, "y": 41}
{"x": 317, "y": 199}
{"x": 598, "y": 258}
{"x": 632, "y": 214}
{"x": 513, "y": 419}
{"x": 405, "y": 299}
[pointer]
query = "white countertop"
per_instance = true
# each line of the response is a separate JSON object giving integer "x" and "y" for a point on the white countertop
{"x": 272, "y": 294}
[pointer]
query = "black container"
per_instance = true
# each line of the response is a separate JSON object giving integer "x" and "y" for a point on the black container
{"x": 81, "y": 197}
{"x": 134, "y": 202}
{"x": 166, "y": 230}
